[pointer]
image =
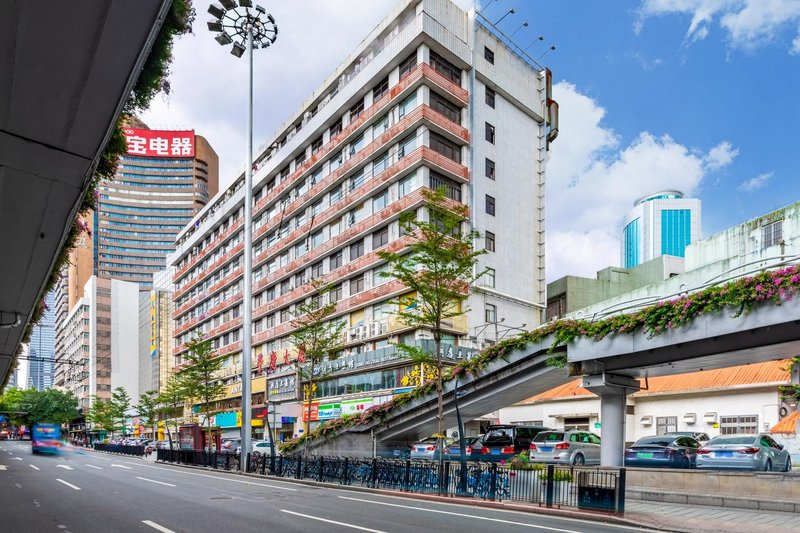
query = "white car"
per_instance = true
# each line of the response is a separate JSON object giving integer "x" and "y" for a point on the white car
{"x": 261, "y": 447}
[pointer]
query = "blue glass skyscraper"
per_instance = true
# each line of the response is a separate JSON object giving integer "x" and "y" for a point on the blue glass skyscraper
{"x": 42, "y": 348}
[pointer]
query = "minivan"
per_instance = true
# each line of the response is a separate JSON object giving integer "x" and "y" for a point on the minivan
{"x": 503, "y": 442}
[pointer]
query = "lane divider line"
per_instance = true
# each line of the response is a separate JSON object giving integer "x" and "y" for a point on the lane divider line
{"x": 462, "y": 515}
{"x": 95, "y": 467}
{"x": 122, "y": 466}
{"x": 70, "y": 485}
{"x": 179, "y": 470}
{"x": 351, "y": 526}
{"x": 34, "y": 467}
{"x": 157, "y": 526}
{"x": 154, "y": 481}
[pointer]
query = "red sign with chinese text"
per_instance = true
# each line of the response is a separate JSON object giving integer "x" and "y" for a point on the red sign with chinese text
{"x": 159, "y": 143}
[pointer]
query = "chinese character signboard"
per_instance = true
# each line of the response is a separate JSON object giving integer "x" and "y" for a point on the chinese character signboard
{"x": 159, "y": 143}
{"x": 153, "y": 324}
{"x": 283, "y": 388}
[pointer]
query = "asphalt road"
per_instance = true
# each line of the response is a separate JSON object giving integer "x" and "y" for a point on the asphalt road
{"x": 96, "y": 492}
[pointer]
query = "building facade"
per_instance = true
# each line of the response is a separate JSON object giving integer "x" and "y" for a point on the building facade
{"x": 162, "y": 181}
{"x": 41, "y": 348}
{"x": 97, "y": 344}
{"x": 662, "y": 223}
{"x": 432, "y": 98}
{"x": 155, "y": 333}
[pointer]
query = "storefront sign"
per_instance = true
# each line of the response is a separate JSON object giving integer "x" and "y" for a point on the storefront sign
{"x": 359, "y": 405}
{"x": 282, "y": 389}
{"x": 328, "y": 411}
{"x": 235, "y": 390}
{"x": 159, "y": 143}
{"x": 314, "y": 412}
{"x": 153, "y": 324}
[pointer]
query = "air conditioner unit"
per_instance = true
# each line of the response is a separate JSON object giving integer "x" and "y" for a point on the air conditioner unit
{"x": 690, "y": 418}
{"x": 788, "y": 406}
{"x": 646, "y": 420}
{"x": 374, "y": 329}
{"x": 361, "y": 332}
{"x": 710, "y": 418}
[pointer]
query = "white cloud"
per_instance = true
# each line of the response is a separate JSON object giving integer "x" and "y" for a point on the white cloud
{"x": 646, "y": 64}
{"x": 748, "y": 23}
{"x": 720, "y": 156}
{"x": 754, "y": 184}
{"x": 593, "y": 180}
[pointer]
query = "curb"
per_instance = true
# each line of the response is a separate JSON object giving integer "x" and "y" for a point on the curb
{"x": 502, "y": 506}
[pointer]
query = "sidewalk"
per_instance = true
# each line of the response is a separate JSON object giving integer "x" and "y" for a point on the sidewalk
{"x": 701, "y": 518}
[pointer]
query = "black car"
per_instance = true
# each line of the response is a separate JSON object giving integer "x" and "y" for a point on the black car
{"x": 503, "y": 442}
{"x": 664, "y": 451}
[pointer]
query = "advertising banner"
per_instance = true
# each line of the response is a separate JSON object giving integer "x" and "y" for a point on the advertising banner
{"x": 328, "y": 411}
{"x": 314, "y": 412}
{"x": 159, "y": 143}
{"x": 359, "y": 405}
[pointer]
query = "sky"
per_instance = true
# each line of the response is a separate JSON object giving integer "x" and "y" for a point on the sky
{"x": 702, "y": 96}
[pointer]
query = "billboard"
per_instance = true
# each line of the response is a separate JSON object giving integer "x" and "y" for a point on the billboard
{"x": 159, "y": 143}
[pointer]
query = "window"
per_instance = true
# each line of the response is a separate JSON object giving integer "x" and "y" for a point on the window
{"x": 316, "y": 145}
{"x": 357, "y": 284}
{"x": 356, "y": 250}
{"x": 336, "y": 129}
{"x": 445, "y": 147}
{"x": 316, "y": 270}
{"x": 356, "y": 145}
{"x": 490, "y": 133}
{"x": 335, "y": 261}
{"x": 408, "y": 104}
{"x": 317, "y": 239}
{"x": 490, "y": 94}
{"x": 666, "y": 424}
{"x": 488, "y": 54}
{"x": 380, "y": 89}
{"x": 335, "y": 194}
{"x": 300, "y": 159}
{"x": 381, "y": 125}
{"x": 489, "y": 277}
{"x": 379, "y": 201}
{"x": 490, "y": 313}
{"x": 336, "y": 294}
{"x": 440, "y": 105}
{"x": 489, "y": 241}
{"x": 407, "y": 185}
{"x": 771, "y": 234}
{"x": 490, "y": 205}
{"x": 356, "y": 110}
{"x": 380, "y": 163}
{"x": 284, "y": 315}
{"x": 452, "y": 189}
{"x": 286, "y": 286}
{"x": 489, "y": 169}
{"x": 446, "y": 68}
{"x": 408, "y": 64}
{"x": 380, "y": 238}
{"x": 336, "y": 161}
{"x": 738, "y": 424}
{"x": 407, "y": 145}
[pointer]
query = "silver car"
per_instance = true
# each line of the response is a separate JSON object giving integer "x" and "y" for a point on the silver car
{"x": 572, "y": 447}
{"x": 744, "y": 452}
{"x": 426, "y": 448}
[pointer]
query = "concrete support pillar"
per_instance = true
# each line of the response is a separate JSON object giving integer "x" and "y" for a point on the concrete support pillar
{"x": 613, "y": 392}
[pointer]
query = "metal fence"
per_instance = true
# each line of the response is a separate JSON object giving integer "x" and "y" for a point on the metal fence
{"x": 547, "y": 486}
{"x": 119, "y": 448}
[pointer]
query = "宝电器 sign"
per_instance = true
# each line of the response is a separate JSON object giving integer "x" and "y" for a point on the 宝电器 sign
{"x": 159, "y": 143}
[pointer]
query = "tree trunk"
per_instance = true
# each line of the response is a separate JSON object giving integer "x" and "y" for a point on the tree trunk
{"x": 308, "y": 410}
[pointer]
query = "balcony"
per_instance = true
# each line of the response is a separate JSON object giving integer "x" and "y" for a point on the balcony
{"x": 207, "y": 250}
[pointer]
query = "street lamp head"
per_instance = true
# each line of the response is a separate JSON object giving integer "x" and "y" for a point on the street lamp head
{"x": 215, "y": 26}
{"x": 245, "y": 3}
{"x": 228, "y": 4}
{"x": 238, "y": 49}
{"x": 223, "y": 39}
{"x": 216, "y": 11}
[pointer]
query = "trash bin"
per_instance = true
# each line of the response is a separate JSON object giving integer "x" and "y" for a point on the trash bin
{"x": 597, "y": 491}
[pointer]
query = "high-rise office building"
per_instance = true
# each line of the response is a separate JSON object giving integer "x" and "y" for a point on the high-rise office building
{"x": 155, "y": 333}
{"x": 662, "y": 223}
{"x": 41, "y": 348}
{"x": 433, "y": 98}
{"x": 162, "y": 181}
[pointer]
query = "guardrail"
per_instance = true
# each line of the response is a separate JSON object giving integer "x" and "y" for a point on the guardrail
{"x": 136, "y": 451}
{"x": 547, "y": 486}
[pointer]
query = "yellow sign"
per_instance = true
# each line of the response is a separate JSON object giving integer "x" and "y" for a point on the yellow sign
{"x": 254, "y": 422}
{"x": 716, "y": 425}
{"x": 153, "y": 324}
{"x": 258, "y": 384}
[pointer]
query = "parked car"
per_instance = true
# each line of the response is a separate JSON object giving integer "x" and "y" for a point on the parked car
{"x": 503, "y": 442}
{"x": 426, "y": 448}
{"x": 699, "y": 436}
{"x": 230, "y": 444}
{"x": 261, "y": 447}
{"x": 663, "y": 451}
{"x": 570, "y": 447}
{"x": 4, "y": 434}
{"x": 164, "y": 445}
{"x": 473, "y": 449}
{"x": 744, "y": 452}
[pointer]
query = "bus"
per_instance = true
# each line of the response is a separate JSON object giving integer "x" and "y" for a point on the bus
{"x": 46, "y": 438}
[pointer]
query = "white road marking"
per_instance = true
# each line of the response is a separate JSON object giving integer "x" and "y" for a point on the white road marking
{"x": 70, "y": 485}
{"x": 476, "y": 517}
{"x": 3, "y": 467}
{"x": 17, "y": 458}
{"x": 156, "y": 526}
{"x": 34, "y": 467}
{"x": 18, "y": 485}
{"x": 122, "y": 466}
{"x": 281, "y": 487}
{"x": 154, "y": 481}
{"x": 351, "y": 526}
{"x": 64, "y": 466}
{"x": 95, "y": 467}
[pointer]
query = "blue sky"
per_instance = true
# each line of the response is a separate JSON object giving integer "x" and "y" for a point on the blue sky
{"x": 698, "y": 95}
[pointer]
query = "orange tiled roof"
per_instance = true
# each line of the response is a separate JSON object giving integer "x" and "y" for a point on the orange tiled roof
{"x": 769, "y": 372}
{"x": 788, "y": 424}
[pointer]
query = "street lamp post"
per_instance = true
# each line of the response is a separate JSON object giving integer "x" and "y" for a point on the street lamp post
{"x": 244, "y": 26}
{"x": 462, "y": 479}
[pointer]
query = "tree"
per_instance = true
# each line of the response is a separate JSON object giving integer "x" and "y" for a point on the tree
{"x": 30, "y": 406}
{"x": 148, "y": 409}
{"x": 100, "y": 413}
{"x": 199, "y": 378}
{"x": 317, "y": 338}
{"x": 438, "y": 266}
{"x": 172, "y": 398}
{"x": 119, "y": 405}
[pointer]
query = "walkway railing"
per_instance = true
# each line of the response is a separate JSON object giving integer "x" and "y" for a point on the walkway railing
{"x": 137, "y": 451}
{"x": 545, "y": 486}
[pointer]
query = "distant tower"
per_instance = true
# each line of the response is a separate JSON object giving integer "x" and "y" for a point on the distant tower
{"x": 662, "y": 223}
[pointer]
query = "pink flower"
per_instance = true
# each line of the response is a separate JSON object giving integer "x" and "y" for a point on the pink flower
{"x": 795, "y": 278}
{"x": 759, "y": 288}
{"x": 777, "y": 280}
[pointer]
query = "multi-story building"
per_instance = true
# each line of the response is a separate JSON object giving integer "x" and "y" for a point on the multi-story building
{"x": 155, "y": 333}
{"x": 434, "y": 97}
{"x": 97, "y": 344}
{"x": 41, "y": 348}
{"x": 662, "y": 223}
{"x": 162, "y": 181}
